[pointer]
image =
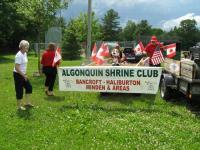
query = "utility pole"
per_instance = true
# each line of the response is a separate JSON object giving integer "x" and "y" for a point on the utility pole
{"x": 88, "y": 51}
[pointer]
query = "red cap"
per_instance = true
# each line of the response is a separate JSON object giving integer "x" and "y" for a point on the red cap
{"x": 154, "y": 38}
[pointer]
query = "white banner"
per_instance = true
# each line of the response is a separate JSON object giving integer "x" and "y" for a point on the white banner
{"x": 119, "y": 79}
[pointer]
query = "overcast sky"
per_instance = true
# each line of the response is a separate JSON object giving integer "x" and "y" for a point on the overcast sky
{"x": 160, "y": 13}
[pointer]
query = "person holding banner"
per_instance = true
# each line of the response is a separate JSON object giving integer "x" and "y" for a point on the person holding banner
{"x": 49, "y": 67}
{"x": 122, "y": 55}
{"x": 20, "y": 78}
{"x": 151, "y": 48}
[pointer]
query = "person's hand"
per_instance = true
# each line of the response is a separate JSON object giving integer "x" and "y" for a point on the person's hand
{"x": 40, "y": 72}
{"x": 144, "y": 53}
{"x": 25, "y": 77}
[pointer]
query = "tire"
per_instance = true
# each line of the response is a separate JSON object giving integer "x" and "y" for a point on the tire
{"x": 165, "y": 92}
{"x": 104, "y": 94}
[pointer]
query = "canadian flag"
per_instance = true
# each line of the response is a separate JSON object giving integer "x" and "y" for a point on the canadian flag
{"x": 170, "y": 50}
{"x": 102, "y": 52}
{"x": 57, "y": 56}
{"x": 94, "y": 53}
{"x": 139, "y": 48}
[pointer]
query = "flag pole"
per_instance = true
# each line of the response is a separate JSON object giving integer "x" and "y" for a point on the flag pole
{"x": 88, "y": 51}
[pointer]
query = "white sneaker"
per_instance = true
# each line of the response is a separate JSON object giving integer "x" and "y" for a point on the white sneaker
{"x": 21, "y": 108}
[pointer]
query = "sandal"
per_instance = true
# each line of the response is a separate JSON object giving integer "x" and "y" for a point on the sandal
{"x": 21, "y": 108}
{"x": 50, "y": 93}
{"x": 29, "y": 105}
{"x": 46, "y": 92}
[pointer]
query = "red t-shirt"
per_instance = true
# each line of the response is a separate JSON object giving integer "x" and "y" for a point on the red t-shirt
{"x": 47, "y": 58}
{"x": 150, "y": 48}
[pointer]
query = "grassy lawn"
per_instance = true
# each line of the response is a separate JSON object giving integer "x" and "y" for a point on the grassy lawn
{"x": 78, "y": 120}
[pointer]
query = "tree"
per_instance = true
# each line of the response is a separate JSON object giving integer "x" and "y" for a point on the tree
{"x": 71, "y": 46}
{"x": 41, "y": 12}
{"x": 110, "y": 26}
{"x": 81, "y": 27}
{"x": 172, "y": 34}
{"x": 188, "y": 33}
{"x": 129, "y": 31}
{"x": 76, "y": 33}
{"x": 21, "y": 19}
{"x": 10, "y": 23}
{"x": 143, "y": 28}
{"x": 157, "y": 31}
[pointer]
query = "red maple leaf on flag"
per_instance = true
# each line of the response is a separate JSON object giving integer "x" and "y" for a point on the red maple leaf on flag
{"x": 94, "y": 52}
{"x": 102, "y": 52}
{"x": 139, "y": 48}
{"x": 170, "y": 50}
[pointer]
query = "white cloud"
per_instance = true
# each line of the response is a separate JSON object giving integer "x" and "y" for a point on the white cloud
{"x": 169, "y": 24}
{"x": 152, "y": 10}
{"x": 121, "y": 3}
{"x": 116, "y": 3}
{"x": 101, "y": 6}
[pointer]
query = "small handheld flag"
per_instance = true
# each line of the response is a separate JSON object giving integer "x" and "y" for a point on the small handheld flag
{"x": 139, "y": 48}
{"x": 157, "y": 57}
{"x": 170, "y": 50}
{"x": 94, "y": 53}
{"x": 57, "y": 56}
{"x": 102, "y": 52}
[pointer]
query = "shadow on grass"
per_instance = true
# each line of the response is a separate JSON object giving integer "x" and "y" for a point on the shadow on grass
{"x": 108, "y": 109}
{"x": 25, "y": 114}
{"x": 55, "y": 98}
{"x": 4, "y": 60}
{"x": 127, "y": 98}
{"x": 192, "y": 105}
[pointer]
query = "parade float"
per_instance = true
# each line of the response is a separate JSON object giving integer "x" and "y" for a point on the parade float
{"x": 182, "y": 75}
{"x": 111, "y": 73}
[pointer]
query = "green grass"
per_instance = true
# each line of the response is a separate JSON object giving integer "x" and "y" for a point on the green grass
{"x": 78, "y": 120}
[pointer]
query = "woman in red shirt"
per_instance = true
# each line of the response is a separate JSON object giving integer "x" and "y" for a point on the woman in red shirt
{"x": 49, "y": 69}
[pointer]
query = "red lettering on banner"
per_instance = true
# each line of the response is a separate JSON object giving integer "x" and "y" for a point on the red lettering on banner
{"x": 123, "y": 82}
{"x": 95, "y": 87}
{"x": 94, "y": 82}
{"x": 108, "y": 87}
{"x": 120, "y": 88}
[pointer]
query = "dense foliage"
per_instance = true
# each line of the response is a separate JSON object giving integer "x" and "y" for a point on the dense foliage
{"x": 22, "y": 19}
{"x": 70, "y": 42}
{"x": 111, "y": 26}
{"x": 30, "y": 20}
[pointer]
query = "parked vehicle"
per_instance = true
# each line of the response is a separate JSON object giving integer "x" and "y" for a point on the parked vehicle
{"x": 131, "y": 57}
{"x": 182, "y": 76}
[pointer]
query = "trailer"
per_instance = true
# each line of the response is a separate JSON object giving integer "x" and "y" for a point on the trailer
{"x": 182, "y": 76}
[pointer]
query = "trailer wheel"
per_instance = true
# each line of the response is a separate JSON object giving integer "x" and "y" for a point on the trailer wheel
{"x": 165, "y": 91}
